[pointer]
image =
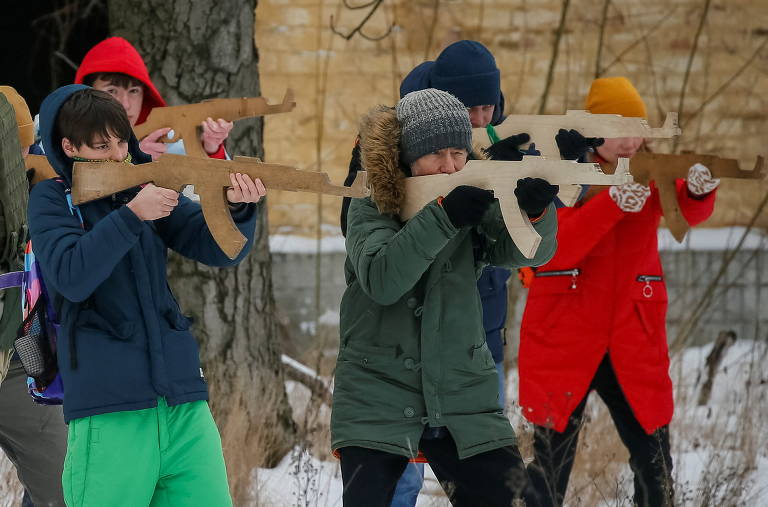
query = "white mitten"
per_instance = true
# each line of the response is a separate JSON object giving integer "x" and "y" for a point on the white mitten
{"x": 630, "y": 197}
{"x": 700, "y": 180}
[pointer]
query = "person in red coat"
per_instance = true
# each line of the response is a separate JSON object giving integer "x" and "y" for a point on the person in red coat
{"x": 595, "y": 318}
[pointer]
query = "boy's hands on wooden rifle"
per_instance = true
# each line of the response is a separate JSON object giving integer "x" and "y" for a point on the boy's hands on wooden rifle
{"x": 244, "y": 189}
{"x": 153, "y": 202}
{"x": 700, "y": 181}
{"x": 152, "y": 146}
{"x": 214, "y": 134}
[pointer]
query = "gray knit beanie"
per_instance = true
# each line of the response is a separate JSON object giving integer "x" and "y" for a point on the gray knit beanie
{"x": 431, "y": 120}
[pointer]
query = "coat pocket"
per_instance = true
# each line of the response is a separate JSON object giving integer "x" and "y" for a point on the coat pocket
{"x": 177, "y": 320}
{"x": 481, "y": 355}
{"x": 89, "y": 318}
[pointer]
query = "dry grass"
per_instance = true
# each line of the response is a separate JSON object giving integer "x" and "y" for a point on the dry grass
{"x": 716, "y": 448}
{"x": 10, "y": 488}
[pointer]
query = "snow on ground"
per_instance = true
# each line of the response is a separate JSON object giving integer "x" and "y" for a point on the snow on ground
{"x": 698, "y": 239}
{"x": 720, "y": 450}
{"x": 703, "y": 239}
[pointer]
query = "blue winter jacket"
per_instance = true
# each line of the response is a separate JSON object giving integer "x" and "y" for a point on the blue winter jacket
{"x": 123, "y": 341}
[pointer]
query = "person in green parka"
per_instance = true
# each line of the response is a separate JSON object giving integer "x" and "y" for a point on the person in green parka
{"x": 414, "y": 372}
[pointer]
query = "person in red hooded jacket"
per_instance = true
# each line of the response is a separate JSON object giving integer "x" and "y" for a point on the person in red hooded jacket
{"x": 595, "y": 319}
{"x": 114, "y": 66}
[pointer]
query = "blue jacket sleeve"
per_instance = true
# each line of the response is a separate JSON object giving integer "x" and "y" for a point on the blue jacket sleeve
{"x": 186, "y": 232}
{"x": 75, "y": 261}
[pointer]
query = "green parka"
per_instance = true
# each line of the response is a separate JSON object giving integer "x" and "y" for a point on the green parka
{"x": 413, "y": 348}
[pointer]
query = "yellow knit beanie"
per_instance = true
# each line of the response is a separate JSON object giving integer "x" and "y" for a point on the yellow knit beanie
{"x": 23, "y": 118}
{"x": 615, "y": 95}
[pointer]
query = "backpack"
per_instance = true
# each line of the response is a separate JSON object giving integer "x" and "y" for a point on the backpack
{"x": 36, "y": 339}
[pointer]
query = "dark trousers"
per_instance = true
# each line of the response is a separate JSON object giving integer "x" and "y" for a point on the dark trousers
{"x": 490, "y": 479}
{"x": 34, "y": 438}
{"x": 649, "y": 455}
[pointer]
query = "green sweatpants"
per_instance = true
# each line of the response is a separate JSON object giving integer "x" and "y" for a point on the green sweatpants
{"x": 163, "y": 456}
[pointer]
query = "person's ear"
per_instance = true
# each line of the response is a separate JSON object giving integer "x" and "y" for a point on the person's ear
{"x": 68, "y": 147}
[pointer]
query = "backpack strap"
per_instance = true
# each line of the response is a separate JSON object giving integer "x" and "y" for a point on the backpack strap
{"x": 12, "y": 279}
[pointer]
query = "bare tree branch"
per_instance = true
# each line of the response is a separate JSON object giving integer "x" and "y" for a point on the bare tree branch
{"x": 432, "y": 26}
{"x": 726, "y": 83}
{"x": 643, "y": 38}
{"x": 688, "y": 66}
{"x": 702, "y": 305}
{"x": 374, "y": 4}
{"x": 553, "y": 60}
{"x": 600, "y": 37}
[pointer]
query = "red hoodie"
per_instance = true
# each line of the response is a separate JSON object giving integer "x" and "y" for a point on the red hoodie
{"x": 116, "y": 54}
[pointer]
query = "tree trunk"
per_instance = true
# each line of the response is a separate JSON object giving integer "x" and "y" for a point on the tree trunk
{"x": 196, "y": 50}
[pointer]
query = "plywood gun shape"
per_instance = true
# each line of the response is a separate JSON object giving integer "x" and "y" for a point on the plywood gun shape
{"x": 543, "y": 127}
{"x": 664, "y": 169}
{"x": 95, "y": 180}
{"x": 185, "y": 119}
{"x": 501, "y": 177}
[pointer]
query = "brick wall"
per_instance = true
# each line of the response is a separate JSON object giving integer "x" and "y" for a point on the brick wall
{"x": 337, "y": 80}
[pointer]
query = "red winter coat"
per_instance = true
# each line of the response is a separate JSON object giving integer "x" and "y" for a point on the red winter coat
{"x": 602, "y": 292}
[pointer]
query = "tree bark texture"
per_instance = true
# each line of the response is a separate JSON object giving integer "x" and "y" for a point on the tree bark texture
{"x": 197, "y": 50}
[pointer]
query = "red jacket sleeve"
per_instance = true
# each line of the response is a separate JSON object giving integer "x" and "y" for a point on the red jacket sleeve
{"x": 220, "y": 153}
{"x": 581, "y": 228}
{"x": 694, "y": 209}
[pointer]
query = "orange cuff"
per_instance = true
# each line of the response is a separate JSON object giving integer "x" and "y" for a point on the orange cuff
{"x": 538, "y": 218}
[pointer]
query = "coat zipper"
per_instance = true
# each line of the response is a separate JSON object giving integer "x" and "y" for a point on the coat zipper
{"x": 647, "y": 288}
{"x": 573, "y": 273}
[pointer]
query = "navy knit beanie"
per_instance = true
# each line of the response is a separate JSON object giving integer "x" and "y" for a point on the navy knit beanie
{"x": 468, "y": 70}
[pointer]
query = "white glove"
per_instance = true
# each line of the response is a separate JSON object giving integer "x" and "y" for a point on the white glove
{"x": 630, "y": 197}
{"x": 700, "y": 180}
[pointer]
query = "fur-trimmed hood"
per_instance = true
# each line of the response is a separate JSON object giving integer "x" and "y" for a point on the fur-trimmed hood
{"x": 380, "y": 157}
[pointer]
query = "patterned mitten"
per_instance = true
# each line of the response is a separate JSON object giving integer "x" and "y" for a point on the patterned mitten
{"x": 700, "y": 180}
{"x": 630, "y": 197}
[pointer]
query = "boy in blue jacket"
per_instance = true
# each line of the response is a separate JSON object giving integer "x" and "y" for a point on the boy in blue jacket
{"x": 135, "y": 399}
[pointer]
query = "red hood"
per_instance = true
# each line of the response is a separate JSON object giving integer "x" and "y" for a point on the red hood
{"x": 118, "y": 55}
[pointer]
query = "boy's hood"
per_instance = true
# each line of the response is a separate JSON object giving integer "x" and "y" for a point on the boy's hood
{"x": 420, "y": 79}
{"x": 116, "y": 54}
{"x": 51, "y": 139}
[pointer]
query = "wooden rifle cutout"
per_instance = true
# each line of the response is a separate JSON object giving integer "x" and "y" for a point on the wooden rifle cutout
{"x": 501, "y": 177}
{"x": 42, "y": 167}
{"x": 664, "y": 169}
{"x": 210, "y": 177}
{"x": 184, "y": 120}
{"x": 543, "y": 127}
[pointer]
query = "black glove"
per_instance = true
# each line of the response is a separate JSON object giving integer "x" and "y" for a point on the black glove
{"x": 573, "y": 145}
{"x": 508, "y": 149}
{"x": 466, "y": 205}
{"x": 534, "y": 195}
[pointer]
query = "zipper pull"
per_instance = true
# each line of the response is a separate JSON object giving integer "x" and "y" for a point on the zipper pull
{"x": 574, "y": 273}
{"x": 647, "y": 289}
